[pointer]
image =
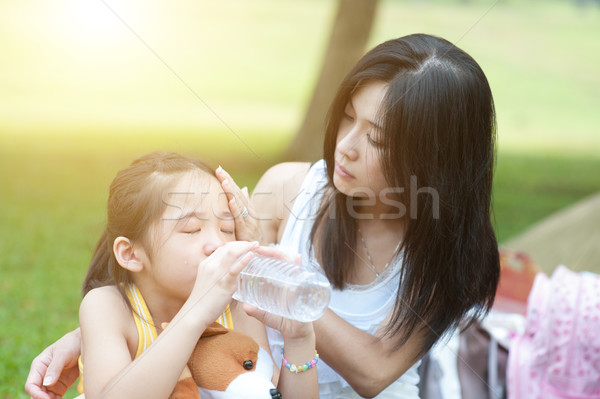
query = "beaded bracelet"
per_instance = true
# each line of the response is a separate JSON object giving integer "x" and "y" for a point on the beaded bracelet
{"x": 298, "y": 369}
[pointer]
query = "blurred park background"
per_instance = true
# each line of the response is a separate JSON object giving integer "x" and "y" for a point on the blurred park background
{"x": 87, "y": 86}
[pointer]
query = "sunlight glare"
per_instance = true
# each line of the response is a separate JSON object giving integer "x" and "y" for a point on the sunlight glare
{"x": 91, "y": 21}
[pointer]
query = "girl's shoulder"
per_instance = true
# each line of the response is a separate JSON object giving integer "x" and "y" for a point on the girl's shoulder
{"x": 107, "y": 293}
{"x": 105, "y": 302}
{"x": 104, "y": 312}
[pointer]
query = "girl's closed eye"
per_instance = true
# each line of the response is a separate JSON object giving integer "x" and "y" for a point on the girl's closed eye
{"x": 228, "y": 229}
{"x": 191, "y": 228}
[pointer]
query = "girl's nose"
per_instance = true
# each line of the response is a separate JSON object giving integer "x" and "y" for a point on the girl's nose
{"x": 212, "y": 243}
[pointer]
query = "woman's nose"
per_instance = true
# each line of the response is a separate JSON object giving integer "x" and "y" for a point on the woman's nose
{"x": 347, "y": 146}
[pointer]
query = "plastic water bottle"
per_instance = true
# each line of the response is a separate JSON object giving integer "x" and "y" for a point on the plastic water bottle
{"x": 283, "y": 288}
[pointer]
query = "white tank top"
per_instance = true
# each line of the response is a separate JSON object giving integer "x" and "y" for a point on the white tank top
{"x": 364, "y": 306}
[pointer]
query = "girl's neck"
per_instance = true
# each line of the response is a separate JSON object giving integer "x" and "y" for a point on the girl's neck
{"x": 162, "y": 307}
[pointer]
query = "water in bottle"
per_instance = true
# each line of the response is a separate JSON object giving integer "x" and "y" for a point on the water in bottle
{"x": 284, "y": 288}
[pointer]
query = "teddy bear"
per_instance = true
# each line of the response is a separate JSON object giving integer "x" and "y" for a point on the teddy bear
{"x": 226, "y": 364}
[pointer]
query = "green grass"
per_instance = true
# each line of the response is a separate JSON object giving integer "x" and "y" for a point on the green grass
{"x": 74, "y": 111}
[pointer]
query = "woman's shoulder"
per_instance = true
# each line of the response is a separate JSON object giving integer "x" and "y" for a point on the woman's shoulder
{"x": 274, "y": 196}
{"x": 284, "y": 172}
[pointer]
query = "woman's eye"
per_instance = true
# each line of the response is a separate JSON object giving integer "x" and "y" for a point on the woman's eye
{"x": 348, "y": 117}
{"x": 229, "y": 232}
{"x": 373, "y": 141}
{"x": 193, "y": 231}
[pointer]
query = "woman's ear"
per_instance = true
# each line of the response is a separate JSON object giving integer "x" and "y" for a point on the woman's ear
{"x": 126, "y": 255}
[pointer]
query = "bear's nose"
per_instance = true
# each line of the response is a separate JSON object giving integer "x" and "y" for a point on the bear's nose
{"x": 275, "y": 394}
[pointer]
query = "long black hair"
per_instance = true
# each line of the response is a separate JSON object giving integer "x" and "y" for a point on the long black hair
{"x": 438, "y": 127}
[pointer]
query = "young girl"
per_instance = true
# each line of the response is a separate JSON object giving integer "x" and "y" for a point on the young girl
{"x": 168, "y": 255}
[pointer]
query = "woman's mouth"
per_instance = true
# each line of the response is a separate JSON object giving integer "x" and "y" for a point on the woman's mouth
{"x": 342, "y": 172}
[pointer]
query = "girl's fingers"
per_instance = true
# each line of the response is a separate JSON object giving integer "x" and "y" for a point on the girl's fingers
{"x": 233, "y": 250}
{"x": 264, "y": 317}
{"x": 241, "y": 264}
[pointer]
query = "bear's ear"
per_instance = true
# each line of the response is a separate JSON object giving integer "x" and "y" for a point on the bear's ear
{"x": 214, "y": 329}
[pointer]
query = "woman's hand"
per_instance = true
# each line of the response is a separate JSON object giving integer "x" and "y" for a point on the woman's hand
{"x": 246, "y": 223}
{"x": 55, "y": 369}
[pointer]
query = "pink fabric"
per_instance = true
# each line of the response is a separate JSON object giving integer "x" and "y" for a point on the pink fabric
{"x": 558, "y": 355}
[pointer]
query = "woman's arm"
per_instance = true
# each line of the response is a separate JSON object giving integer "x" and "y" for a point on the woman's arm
{"x": 55, "y": 369}
{"x": 368, "y": 363}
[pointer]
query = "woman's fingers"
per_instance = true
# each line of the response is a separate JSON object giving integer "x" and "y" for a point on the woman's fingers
{"x": 245, "y": 193}
{"x": 246, "y": 224}
{"x": 54, "y": 370}
{"x": 231, "y": 189}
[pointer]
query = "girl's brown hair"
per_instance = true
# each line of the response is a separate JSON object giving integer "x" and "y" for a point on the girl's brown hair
{"x": 136, "y": 200}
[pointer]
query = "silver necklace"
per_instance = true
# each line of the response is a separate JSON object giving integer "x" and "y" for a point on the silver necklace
{"x": 370, "y": 264}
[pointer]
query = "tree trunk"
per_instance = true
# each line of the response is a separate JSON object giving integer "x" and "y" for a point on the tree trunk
{"x": 347, "y": 42}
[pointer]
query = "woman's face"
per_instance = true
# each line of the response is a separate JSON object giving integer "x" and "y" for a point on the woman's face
{"x": 357, "y": 153}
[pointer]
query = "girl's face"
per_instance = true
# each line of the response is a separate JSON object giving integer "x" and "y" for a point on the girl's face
{"x": 195, "y": 223}
{"x": 357, "y": 164}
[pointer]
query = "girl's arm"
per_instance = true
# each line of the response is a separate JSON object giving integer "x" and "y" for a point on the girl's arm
{"x": 300, "y": 347}
{"x": 108, "y": 366}
{"x": 109, "y": 371}
{"x": 369, "y": 364}
{"x": 299, "y": 340}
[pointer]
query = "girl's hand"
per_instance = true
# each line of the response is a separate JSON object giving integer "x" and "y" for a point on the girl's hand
{"x": 217, "y": 278}
{"x": 289, "y": 329}
{"x": 246, "y": 223}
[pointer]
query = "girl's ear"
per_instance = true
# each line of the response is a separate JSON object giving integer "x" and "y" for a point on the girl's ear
{"x": 126, "y": 255}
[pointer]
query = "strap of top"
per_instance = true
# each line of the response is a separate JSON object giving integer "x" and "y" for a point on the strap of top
{"x": 142, "y": 317}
